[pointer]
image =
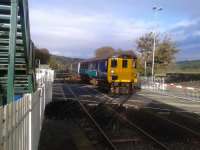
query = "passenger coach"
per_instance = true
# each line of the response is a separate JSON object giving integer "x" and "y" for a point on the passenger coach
{"x": 117, "y": 73}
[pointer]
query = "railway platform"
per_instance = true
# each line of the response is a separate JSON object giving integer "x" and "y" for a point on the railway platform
{"x": 177, "y": 103}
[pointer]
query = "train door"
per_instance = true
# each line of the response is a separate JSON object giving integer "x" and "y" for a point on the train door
{"x": 113, "y": 69}
{"x": 126, "y": 70}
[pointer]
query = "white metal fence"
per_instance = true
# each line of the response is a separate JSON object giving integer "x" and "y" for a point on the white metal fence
{"x": 159, "y": 86}
{"x": 21, "y": 121}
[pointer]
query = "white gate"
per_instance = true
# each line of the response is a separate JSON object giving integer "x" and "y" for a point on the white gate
{"x": 179, "y": 91}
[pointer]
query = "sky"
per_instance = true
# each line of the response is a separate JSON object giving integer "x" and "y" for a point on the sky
{"x": 76, "y": 28}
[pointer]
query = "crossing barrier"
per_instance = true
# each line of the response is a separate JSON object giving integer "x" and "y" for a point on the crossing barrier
{"x": 176, "y": 90}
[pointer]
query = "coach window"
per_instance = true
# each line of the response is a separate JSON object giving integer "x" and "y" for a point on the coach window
{"x": 90, "y": 67}
{"x": 106, "y": 66}
{"x": 113, "y": 63}
{"x": 125, "y": 63}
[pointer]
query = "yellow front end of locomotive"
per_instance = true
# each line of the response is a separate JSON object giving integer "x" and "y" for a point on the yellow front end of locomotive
{"x": 122, "y": 70}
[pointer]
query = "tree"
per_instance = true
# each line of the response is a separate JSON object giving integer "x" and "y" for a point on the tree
{"x": 104, "y": 52}
{"x": 140, "y": 67}
{"x": 42, "y": 54}
{"x": 145, "y": 42}
{"x": 164, "y": 53}
{"x": 53, "y": 63}
{"x": 145, "y": 46}
{"x": 126, "y": 52}
{"x": 119, "y": 51}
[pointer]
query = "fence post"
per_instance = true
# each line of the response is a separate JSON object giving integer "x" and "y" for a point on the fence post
{"x": 163, "y": 86}
{"x": 30, "y": 122}
{"x": 1, "y": 126}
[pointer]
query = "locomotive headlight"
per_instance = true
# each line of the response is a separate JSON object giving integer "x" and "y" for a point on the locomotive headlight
{"x": 112, "y": 71}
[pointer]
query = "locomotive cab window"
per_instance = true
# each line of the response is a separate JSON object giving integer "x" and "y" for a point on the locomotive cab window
{"x": 113, "y": 63}
{"x": 125, "y": 63}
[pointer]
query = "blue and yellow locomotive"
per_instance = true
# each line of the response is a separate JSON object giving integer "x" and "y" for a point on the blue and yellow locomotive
{"x": 118, "y": 73}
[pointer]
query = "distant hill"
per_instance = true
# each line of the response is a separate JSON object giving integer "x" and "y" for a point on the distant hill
{"x": 65, "y": 60}
{"x": 181, "y": 66}
{"x": 185, "y": 65}
{"x": 62, "y": 62}
{"x": 189, "y": 64}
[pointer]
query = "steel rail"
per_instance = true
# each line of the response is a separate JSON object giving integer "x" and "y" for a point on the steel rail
{"x": 111, "y": 99}
{"x": 104, "y": 96}
{"x": 114, "y": 101}
{"x": 194, "y": 133}
{"x": 145, "y": 133}
{"x": 179, "y": 125}
{"x": 156, "y": 141}
{"x": 109, "y": 142}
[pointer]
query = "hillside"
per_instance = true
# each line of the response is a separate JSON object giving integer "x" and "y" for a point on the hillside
{"x": 65, "y": 60}
{"x": 62, "y": 62}
{"x": 193, "y": 65}
{"x": 181, "y": 66}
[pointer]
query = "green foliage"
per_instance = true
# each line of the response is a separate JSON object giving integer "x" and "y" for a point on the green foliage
{"x": 164, "y": 53}
{"x": 54, "y": 64}
{"x": 140, "y": 67}
{"x": 62, "y": 63}
{"x": 107, "y": 51}
{"x": 104, "y": 52}
{"x": 119, "y": 51}
{"x": 42, "y": 54}
{"x": 188, "y": 66}
{"x": 145, "y": 42}
{"x": 125, "y": 52}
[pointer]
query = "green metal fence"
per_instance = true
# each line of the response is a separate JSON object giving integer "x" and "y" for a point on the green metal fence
{"x": 16, "y": 53}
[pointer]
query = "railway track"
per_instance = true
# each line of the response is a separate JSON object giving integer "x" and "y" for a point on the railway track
{"x": 148, "y": 140}
{"x": 104, "y": 137}
{"x": 187, "y": 124}
{"x": 178, "y": 129}
{"x": 182, "y": 119}
{"x": 72, "y": 110}
{"x": 177, "y": 117}
{"x": 110, "y": 119}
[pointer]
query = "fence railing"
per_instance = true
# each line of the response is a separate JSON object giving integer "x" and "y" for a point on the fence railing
{"x": 21, "y": 121}
{"x": 179, "y": 91}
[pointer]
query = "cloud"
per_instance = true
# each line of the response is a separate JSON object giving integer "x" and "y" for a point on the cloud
{"x": 196, "y": 33}
{"x": 186, "y": 33}
{"x": 63, "y": 32}
{"x": 76, "y": 28}
{"x": 66, "y": 32}
{"x": 132, "y": 28}
{"x": 186, "y": 23}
